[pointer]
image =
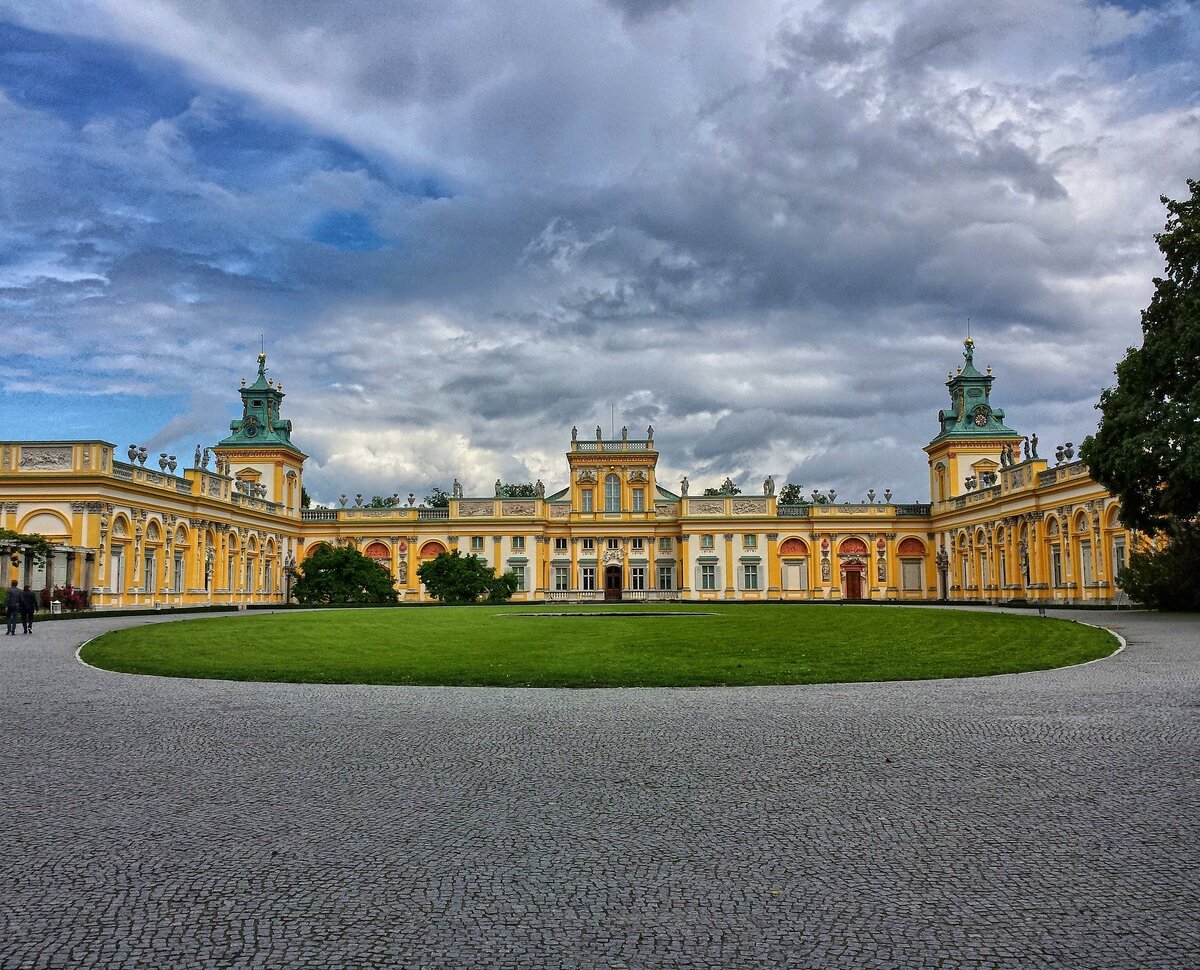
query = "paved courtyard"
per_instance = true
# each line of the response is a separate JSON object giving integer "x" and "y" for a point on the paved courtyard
{"x": 1034, "y": 820}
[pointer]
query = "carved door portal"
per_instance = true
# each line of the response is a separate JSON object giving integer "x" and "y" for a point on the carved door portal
{"x": 854, "y": 583}
{"x": 612, "y": 584}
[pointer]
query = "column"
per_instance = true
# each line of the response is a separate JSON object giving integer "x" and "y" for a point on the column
{"x": 774, "y": 575}
{"x": 730, "y": 566}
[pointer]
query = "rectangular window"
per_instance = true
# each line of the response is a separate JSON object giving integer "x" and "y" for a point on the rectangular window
{"x": 750, "y": 575}
{"x": 639, "y": 545}
{"x": 1118, "y": 556}
{"x": 664, "y": 544}
{"x": 231, "y": 576}
{"x": 589, "y": 545}
{"x": 614, "y": 543}
{"x": 177, "y": 579}
{"x": 639, "y": 500}
{"x": 587, "y": 578}
{"x": 666, "y": 577}
{"x": 795, "y": 574}
{"x": 250, "y": 577}
{"x": 477, "y": 543}
{"x": 518, "y": 543}
{"x": 117, "y": 571}
{"x": 560, "y": 544}
{"x": 519, "y": 572}
{"x": 637, "y": 577}
{"x": 750, "y": 541}
{"x": 561, "y": 582}
{"x": 267, "y": 578}
{"x": 585, "y": 500}
{"x": 706, "y": 542}
{"x": 149, "y": 568}
{"x": 1056, "y": 564}
{"x": 708, "y": 576}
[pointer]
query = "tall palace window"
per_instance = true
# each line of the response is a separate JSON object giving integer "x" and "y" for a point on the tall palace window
{"x": 612, "y": 493}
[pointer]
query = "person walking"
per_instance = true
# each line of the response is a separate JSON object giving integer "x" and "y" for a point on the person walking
{"x": 28, "y": 607}
{"x": 13, "y": 609}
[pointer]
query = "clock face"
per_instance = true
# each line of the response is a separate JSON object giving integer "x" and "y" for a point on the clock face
{"x": 981, "y": 417}
{"x": 251, "y": 430}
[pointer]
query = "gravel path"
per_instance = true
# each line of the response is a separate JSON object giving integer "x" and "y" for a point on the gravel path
{"x": 1033, "y": 820}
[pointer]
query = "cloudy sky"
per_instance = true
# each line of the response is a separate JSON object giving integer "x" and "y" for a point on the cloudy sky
{"x": 463, "y": 226}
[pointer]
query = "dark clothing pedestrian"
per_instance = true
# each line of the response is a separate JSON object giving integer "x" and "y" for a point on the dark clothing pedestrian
{"x": 28, "y": 608}
{"x": 12, "y": 609}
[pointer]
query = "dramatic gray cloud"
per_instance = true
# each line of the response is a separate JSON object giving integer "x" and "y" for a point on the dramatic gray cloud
{"x": 464, "y": 227}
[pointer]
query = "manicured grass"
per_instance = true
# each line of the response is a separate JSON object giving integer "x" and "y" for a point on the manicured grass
{"x": 508, "y": 646}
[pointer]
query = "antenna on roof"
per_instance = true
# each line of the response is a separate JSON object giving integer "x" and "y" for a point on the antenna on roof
{"x": 968, "y": 326}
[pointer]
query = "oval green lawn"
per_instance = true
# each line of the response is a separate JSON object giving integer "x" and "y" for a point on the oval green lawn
{"x": 508, "y": 646}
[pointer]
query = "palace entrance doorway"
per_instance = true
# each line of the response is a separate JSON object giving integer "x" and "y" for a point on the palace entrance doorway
{"x": 853, "y": 589}
{"x": 612, "y": 584}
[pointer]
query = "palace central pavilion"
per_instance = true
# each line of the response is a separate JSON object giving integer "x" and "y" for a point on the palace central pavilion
{"x": 1002, "y": 524}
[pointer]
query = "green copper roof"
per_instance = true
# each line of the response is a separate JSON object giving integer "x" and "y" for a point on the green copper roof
{"x": 971, "y": 415}
{"x": 260, "y": 425}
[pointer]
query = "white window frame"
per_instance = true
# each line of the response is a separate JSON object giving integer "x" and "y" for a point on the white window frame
{"x": 639, "y": 500}
{"x": 562, "y": 579}
{"x": 587, "y": 578}
{"x": 708, "y": 576}
{"x": 750, "y": 577}
{"x": 666, "y": 577}
{"x": 637, "y": 577}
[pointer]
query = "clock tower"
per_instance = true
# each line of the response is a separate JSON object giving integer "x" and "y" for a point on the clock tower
{"x": 259, "y": 447}
{"x": 972, "y": 434}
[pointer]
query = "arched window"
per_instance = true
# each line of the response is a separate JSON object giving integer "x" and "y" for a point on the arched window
{"x": 612, "y": 493}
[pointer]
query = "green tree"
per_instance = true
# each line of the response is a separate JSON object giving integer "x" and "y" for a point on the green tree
{"x": 1147, "y": 448}
{"x": 1164, "y": 579}
{"x": 382, "y": 502}
{"x": 342, "y": 575}
{"x": 518, "y": 490}
{"x": 727, "y": 488}
{"x": 437, "y": 499}
{"x": 454, "y": 578}
{"x": 305, "y": 500}
{"x": 790, "y": 494}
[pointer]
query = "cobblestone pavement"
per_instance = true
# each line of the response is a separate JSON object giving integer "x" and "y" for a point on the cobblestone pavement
{"x": 1036, "y": 820}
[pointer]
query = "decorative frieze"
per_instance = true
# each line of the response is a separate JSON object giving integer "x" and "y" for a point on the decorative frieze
{"x": 46, "y": 458}
{"x": 468, "y": 508}
{"x": 750, "y": 506}
{"x": 515, "y": 508}
{"x": 560, "y": 511}
{"x": 699, "y": 507}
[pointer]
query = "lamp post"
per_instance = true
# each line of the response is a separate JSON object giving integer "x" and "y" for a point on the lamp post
{"x": 942, "y": 559}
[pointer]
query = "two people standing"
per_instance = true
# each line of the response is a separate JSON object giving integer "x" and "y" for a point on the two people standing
{"x": 22, "y": 602}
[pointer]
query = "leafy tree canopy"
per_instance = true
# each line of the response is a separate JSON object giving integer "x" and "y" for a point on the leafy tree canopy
{"x": 342, "y": 575}
{"x": 382, "y": 502}
{"x": 1147, "y": 448}
{"x": 305, "y": 500}
{"x": 517, "y": 490}
{"x": 1158, "y": 578}
{"x": 437, "y": 499}
{"x": 790, "y": 494}
{"x": 727, "y": 488}
{"x": 454, "y": 578}
{"x": 31, "y": 543}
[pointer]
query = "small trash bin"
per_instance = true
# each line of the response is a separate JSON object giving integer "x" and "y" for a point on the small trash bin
{"x": 55, "y": 607}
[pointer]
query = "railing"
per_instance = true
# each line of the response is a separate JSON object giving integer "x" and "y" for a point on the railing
{"x": 428, "y": 514}
{"x": 792, "y": 511}
{"x": 318, "y": 515}
{"x": 640, "y": 445}
{"x": 916, "y": 511}
{"x": 597, "y": 596}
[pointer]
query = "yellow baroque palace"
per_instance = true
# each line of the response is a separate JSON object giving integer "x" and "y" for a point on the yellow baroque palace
{"x": 1002, "y": 524}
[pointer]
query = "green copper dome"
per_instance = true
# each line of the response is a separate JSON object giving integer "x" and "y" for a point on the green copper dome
{"x": 970, "y": 414}
{"x": 260, "y": 425}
